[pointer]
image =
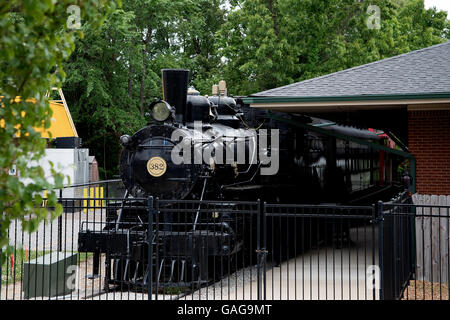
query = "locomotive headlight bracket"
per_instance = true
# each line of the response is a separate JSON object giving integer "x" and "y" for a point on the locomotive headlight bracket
{"x": 160, "y": 110}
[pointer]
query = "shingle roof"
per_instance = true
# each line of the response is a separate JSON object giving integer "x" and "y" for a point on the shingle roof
{"x": 425, "y": 71}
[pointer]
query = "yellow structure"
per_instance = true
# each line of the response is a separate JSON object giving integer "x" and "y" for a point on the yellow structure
{"x": 62, "y": 125}
{"x": 61, "y": 122}
{"x": 95, "y": 194}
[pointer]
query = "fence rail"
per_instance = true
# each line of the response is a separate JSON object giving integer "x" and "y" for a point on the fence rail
{"x": 106, "y": 248}
{"x": 417, "y": 242}
{"x": 320, "y": 252}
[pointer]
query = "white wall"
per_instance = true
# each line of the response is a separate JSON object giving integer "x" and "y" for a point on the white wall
{"x": 70, "y": 162}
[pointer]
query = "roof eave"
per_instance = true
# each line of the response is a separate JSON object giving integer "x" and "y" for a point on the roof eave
{"x": 340, "y": 99}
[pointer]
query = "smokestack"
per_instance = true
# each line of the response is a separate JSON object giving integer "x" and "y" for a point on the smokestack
{"x": 175, "y": 87}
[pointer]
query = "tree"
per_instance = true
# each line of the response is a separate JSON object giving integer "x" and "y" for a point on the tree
{"x": 102, "y": 83}
{"x": 269, "y": 43}
{"x": 35, "y": 38}
{"x": 198, "y": 25}
{"x": 114, "y": 74}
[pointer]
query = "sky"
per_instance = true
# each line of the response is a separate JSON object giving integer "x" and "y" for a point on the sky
{"x": 440, "y": 4}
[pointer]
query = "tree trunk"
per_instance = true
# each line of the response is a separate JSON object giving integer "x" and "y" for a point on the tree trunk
{"x": 141, "y": 94}
{"x": 146, "y": 40}
{"x": 130, "y": 82}
{"x": 274, "y": 16}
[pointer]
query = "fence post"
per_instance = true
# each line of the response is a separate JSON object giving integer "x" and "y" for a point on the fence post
{"x": 258, "y": 251}
{"x": 150, "y": 247}
{"x": 380, "y": 247}
{"x": 261, "y": 252}
{"x": 60, "y": 224}
{"x": 265, "y": 251}
{"x": 412, "y": 210}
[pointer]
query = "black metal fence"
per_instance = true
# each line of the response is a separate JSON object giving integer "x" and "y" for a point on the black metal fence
{"x": 99, "y": 249}
{"x": 51, "y": 263}
{"x": 140, "y": 249}
{"x": 397, "y": 246}
{"x": 416, "y": 262}
{"x": 206, "y": 250}
{"x": 320, "y": 252}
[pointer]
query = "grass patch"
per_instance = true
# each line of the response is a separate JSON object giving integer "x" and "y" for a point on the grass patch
{"x": 12, "y": 272}
{"x": 171, "y": 291}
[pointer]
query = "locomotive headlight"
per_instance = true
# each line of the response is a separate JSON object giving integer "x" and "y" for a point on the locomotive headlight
{"x": 125, "y": 140}
{"x": 160, "y": 110}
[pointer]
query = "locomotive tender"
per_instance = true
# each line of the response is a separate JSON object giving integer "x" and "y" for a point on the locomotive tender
{"x": 166, "y": 160}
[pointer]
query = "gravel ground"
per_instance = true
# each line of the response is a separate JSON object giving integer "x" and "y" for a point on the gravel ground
{"x": 422, "y": 290}
{"x": 228, "y": 287}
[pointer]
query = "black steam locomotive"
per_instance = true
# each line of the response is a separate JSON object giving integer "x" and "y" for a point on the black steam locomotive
{"x": 216, "y": 148}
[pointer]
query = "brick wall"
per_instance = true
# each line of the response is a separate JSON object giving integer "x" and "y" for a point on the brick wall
{"x": 429, "y": 142}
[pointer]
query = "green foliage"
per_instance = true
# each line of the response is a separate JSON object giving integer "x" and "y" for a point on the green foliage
{"x": 198, "y": 26}
{"x": 96, "y": 87}
{"x": 34, "y": 41}
{"x": 269, "y": 43}
{"x": 114, "y": 74}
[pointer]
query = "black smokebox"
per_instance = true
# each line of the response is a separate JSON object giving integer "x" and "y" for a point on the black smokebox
{"x": 175, "y": 87}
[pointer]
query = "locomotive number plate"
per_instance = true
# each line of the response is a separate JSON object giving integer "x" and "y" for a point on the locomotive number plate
{"x": 156, "y": 166}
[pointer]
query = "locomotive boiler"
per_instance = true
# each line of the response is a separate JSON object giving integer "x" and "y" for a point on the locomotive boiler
{"x": 200, "y": 149}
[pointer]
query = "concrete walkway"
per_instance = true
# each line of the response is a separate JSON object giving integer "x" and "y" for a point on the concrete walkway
{"x": 325, "y": 274}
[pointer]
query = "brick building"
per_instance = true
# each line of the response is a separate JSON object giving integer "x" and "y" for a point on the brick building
{"x": 429, "y": 142}
{"x": 407, "y": 96}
